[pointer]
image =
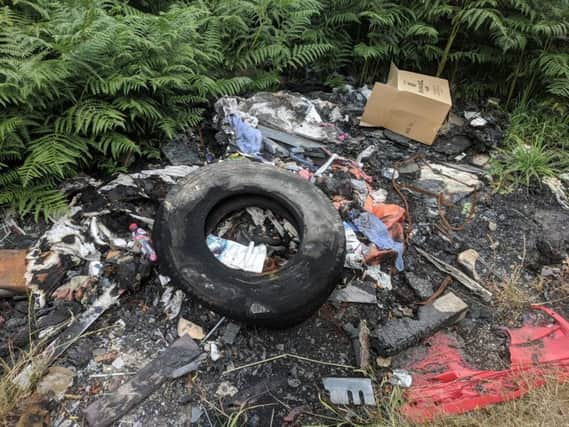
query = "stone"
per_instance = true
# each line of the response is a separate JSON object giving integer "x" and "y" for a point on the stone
{"x": 422, "y": 287}
{"x": 56, "y": 382}
{"x": 118, "y": 363}
{"x": 383, "y": 362}
{"x": 452, "y": 145}
{"x": 549, "y": 271}
{"x": 226, "y": 389}
{"x": 480, "y": 160}
{"x": 230, "y": 333}
{"x": 399, "y": 334}
{"x": 467, "y": 259}
{"x": 553, "y": 240}
{"x": 409, "y": 168}
{"x": 185, "y": 327}
{"x": 455, "y": 120}
{"x": 355, "y": 294}
{"x": 492, "y": 226}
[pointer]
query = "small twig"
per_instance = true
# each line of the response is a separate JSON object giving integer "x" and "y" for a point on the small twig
{"x": 272, "y": 417}
{"x": 207, "y": 416}
{"x": 112, "y": 374}
{"x": 294, "y": 356}
{"x": 210, "y": 333}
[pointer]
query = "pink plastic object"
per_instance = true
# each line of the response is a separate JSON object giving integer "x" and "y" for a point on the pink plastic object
{"x": 141, "y": 237}
{"x": 444, "y": 384}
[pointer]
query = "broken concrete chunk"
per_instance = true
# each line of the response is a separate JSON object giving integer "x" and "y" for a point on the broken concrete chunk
{"x": 341, "y": 389}
{"x": 422, "y": 287}
{"x": 400, "y": 334}
{"x": 186, "y": 327}
{"x": 355, "y": 294}
{"x": 467, "y": 259}
{"x": 455, "y": 184}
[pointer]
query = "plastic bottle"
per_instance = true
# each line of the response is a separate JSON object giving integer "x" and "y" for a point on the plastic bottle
{"x": 141, "y": 236}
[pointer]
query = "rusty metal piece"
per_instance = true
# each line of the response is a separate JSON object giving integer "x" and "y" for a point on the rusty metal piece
{"x": 444, "y": 284}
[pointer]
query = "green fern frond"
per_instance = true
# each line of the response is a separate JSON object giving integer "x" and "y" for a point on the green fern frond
{"x": 116, "y": 145}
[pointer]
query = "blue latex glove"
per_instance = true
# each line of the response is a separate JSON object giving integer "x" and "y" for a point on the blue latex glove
{"x": 377, "y": 233}
{"x": 248, "y": 139}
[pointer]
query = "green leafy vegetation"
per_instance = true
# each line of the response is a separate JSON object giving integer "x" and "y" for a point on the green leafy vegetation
{"x": 535, "y": 147}
{"x": 87, "y": 85}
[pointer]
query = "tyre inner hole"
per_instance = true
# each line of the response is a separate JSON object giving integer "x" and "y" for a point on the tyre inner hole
{"x": 252, "y": 238}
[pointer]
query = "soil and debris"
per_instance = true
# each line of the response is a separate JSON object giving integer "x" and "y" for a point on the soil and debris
{"x": 92, "y": 274}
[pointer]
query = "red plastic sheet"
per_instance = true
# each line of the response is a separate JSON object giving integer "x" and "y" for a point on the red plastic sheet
{"x": 444, "y": 384}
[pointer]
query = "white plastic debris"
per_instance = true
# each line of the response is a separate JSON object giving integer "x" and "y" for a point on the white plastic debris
{"x": 235, "y": 255}
{"x": 355, "y": 250}
{"x": 95, "y": 268}
{"x": 164, "y": 280}
{"x": 68, "y": 238}
{"x": 379, "y": 195}
{"x": 169, "y": 175}
{"x": 390, "y": 173}
{"x": 382, "y": 279}
{"x": 172, "y": 301}
{"x": 285, "y": 111}
{"x": 478, "y": 122}
{"x": 214, "y": 351}
{"x": 470, "y": 115}
{"x": 94, "y": 230}
{"x": 401, "y": 377}
{"x": 365, "y": 154}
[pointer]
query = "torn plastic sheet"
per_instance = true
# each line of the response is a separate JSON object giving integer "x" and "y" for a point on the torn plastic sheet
{"x": 169, "y": 174}
{"x": 248, "y": 139}
{"x": 235, "y": 255}
{"x": 355, "y": 250}
{"x": 376, "y": 231}
{"x": 67, "y": 238}
{"x": 444, "y": 384}
{"x": 289, "y": 112}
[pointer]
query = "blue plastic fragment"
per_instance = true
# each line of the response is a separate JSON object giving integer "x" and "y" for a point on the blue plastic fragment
{"x": 376, "y": 231}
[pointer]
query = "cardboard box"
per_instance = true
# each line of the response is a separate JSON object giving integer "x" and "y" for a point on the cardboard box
{"x": 412, "y": 104}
